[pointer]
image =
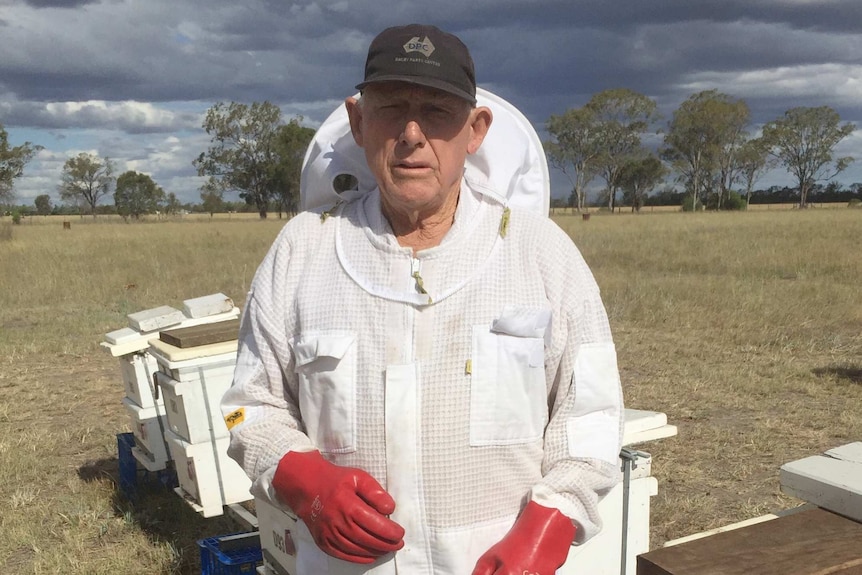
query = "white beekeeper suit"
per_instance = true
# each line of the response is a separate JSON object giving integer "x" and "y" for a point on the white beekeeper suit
{"x": 466, "y": 379}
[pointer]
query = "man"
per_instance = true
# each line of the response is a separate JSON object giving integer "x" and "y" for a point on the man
{"x": 426, "y": 377}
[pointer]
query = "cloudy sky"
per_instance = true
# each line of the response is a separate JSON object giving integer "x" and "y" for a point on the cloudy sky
{"x": 131, "y": 80}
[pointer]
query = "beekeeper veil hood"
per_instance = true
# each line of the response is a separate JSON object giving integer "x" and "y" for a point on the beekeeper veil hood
{"x": 510, "y": 164}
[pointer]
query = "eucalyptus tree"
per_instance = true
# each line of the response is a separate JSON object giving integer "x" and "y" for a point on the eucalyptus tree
{"x": 242, "y": 151}
{"x": 702, "y": 138}
{"x": 804, "y": 142}
{"x": 212, "y": 197}
{"x": 731, "y": 137}
{"x": 291, "y": 142}
{"x": 12, "y": 162}
{"x": 85, "y": 179}
{"x": 574, "y": 150}
{"x": 136, "y": 195}
{"x": 621, "y": 116}
{"x": 638, "y": 177}
{"x": 753, "y": 161}
{"x": 43, "y": 204}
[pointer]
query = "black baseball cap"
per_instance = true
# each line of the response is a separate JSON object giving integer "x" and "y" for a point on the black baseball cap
{"x": 423, "y": 55}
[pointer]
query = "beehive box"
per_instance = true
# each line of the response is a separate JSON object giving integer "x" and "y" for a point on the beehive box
{"x": 192, "y": 405}
{"x": 277, "y": 527}
{"x": 193, "y": 381}
{"x": 137, "y": 370}
{"x": 148, "y": 424}
{"x": 208, "y": 478}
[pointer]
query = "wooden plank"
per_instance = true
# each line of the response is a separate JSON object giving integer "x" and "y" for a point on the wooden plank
{"x": 155, "y": 318}
{"x": 815, "y": 542}
{"x": 207, "y": 305}
{"x": 830, "y": 483}
{"x": 201, "y": 334}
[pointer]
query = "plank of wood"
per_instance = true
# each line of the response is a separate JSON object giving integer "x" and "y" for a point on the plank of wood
{"x": 201, "y": 334}
{"x": 207, "y": 305}
{"x": 155, "y": 318}
{"x": 834, "y": 484}
{"x": 815, "y": 542}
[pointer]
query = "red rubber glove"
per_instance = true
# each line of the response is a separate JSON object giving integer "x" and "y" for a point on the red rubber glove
{"x": 537, "y": 544}
{"x": 344, "y": 508}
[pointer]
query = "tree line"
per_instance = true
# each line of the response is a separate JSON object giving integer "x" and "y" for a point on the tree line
{"x": 707, "y": 147}
{"x": 252, "y": 152}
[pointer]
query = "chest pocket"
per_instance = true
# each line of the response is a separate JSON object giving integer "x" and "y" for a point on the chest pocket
{"x": 326, "y": 369}
{"x": 508, "y": 397}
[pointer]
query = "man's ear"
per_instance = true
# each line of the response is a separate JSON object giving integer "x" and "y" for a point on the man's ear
{"x": 354, "y": 114}
{"x": 480, "y": 123}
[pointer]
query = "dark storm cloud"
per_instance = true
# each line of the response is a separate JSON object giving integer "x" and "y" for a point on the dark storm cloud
{"x": 137, "y": 60}
{"x": 58, "y": 3}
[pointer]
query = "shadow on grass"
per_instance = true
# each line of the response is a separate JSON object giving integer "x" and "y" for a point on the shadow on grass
{"x": 149, "y": 501}
{"x": 850, "y": 373}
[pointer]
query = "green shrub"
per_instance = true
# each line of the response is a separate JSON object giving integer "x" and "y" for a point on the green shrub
{"x": 687, "y": 204}
{"x": 734, "y": 201}
{"x": 16, "y": 217}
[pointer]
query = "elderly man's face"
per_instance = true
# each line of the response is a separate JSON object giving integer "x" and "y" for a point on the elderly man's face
{"x": 416, "y": 140}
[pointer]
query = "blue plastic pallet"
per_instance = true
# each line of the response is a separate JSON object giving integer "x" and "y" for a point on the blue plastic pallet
{"x": 130, "y": 476}
{"x": 215, "y": 561}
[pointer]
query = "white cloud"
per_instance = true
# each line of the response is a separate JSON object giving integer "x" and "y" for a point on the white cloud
{"x": 839, "y": 84}
{"x": 128, "y": 116}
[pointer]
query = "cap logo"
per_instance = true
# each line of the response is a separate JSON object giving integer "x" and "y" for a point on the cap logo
{"x": 424, "y": 47}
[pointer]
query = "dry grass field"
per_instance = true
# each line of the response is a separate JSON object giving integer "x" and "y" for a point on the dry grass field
{"x": 745, "y": 328}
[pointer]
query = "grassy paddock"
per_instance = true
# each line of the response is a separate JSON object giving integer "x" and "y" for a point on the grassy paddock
{"x": 87, "y": 220}
{"x": 745, "y": 328}
{"x": 677, "y": 209}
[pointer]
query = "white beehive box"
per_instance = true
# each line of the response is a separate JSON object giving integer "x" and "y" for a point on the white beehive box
{"x": 148, "y": 425}
{"x": 192, "y": 404}
{"x": 208, "y": 478}
{"x": 137, "y": 370}
{"x": 192, "y": 382}
{"x": 277, "y": 527}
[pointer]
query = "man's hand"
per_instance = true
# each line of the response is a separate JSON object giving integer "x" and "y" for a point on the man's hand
{"x": 537, "y": 544}
{"x": 344, "y": 508}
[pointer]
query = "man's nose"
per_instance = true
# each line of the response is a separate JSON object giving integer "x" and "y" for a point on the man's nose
{"x": 412, "y": 135}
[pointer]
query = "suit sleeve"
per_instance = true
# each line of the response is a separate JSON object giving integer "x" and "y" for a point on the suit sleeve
{"x": 584, "y": 433}
{"x": 261, "y": 407}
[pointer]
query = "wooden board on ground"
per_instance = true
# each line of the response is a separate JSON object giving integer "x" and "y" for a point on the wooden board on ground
{"x": 815, "y": 542}
{"x": 832, "y": 481}
{"x": 201, "y": 334}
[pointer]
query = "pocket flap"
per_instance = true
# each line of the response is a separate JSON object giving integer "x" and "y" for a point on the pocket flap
{"x": 523, "y": 322}
{"x": 311, "y": 347}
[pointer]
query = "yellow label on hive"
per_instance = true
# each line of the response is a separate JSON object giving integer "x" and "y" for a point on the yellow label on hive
{"x": 235, "y": 418}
